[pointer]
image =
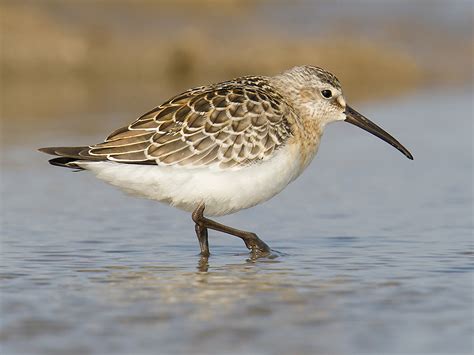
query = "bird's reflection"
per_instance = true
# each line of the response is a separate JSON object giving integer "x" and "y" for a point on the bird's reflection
{"x": 203, "y": 263}
{"x": 213, "y": 289}
{"x": 253, "y": 257}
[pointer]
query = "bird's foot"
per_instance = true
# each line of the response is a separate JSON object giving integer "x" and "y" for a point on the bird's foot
{"x": 258, "y": 248}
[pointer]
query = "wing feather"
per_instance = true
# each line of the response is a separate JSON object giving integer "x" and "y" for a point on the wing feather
{"x": 230, "y": 125}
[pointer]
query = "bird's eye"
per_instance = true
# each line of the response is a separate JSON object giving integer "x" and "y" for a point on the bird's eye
{"x": 326, "y": 94}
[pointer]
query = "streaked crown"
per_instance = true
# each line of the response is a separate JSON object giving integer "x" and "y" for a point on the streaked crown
{"x": 314, "y": 92}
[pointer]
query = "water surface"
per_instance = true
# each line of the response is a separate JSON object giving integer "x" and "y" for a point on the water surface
{"x": 375, "y": 252}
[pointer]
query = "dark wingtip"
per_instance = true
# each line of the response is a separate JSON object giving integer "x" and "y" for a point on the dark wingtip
{"x": 47, "y": 150}
{"x": 65, "y": 162}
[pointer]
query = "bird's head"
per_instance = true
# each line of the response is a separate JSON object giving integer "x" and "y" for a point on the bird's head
{"x": 317, "y": 95}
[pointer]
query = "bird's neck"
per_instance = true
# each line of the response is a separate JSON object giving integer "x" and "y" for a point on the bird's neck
{"x": 306, "y": 129}
{"x": 307, "y": 136}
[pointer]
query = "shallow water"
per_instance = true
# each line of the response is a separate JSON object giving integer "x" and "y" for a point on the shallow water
{"x": 375, "y": 252}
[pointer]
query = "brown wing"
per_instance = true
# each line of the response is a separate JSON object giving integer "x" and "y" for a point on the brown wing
{"x": 229, "y": 125}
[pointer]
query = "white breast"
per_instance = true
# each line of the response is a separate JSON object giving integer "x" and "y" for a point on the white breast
{"x": 222, "y": 191}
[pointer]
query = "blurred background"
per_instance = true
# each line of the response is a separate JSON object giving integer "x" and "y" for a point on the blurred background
{"x": 86, "y": 57}
{"x": 374, "y": 251}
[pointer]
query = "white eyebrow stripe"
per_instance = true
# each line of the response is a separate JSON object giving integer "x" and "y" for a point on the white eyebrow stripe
{"x": 340, "y": 100}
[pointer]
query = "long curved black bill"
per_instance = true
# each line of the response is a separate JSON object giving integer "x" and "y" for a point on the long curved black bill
{"x": 354, "y": 117}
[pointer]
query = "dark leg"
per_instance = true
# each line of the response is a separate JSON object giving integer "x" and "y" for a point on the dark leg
{"x": 201, "y": 233}
{"x": 253, "y": 243}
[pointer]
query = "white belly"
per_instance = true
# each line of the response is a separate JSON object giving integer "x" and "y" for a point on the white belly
{"x": 222, "y": 191}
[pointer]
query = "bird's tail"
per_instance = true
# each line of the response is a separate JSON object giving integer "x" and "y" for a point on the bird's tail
{"x": 69, "y": 156}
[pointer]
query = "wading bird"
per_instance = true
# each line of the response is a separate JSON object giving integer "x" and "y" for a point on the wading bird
{"x": 224, "y": 147}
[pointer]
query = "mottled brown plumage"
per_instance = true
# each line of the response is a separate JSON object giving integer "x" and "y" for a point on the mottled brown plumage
{"x": 231, "y": 124}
